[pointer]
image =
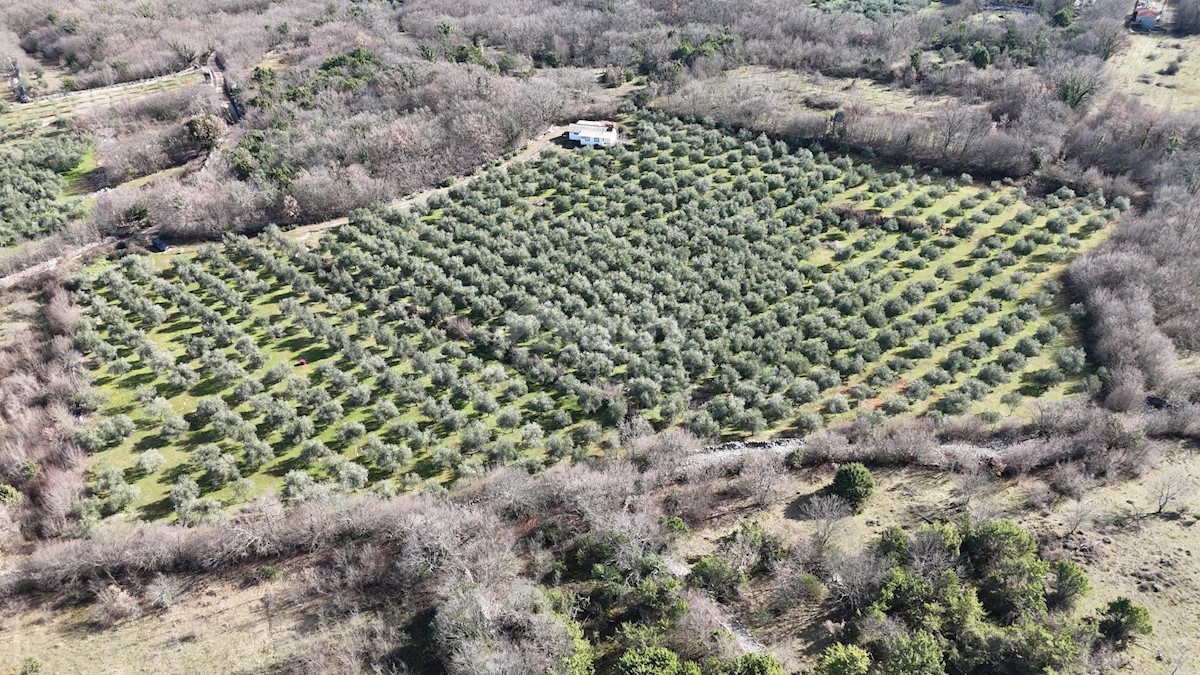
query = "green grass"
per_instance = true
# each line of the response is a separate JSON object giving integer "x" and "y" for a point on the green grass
{"x": 77, "y": 178}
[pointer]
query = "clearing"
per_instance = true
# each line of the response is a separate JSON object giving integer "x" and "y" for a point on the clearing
{"x": 1160, "y": 71}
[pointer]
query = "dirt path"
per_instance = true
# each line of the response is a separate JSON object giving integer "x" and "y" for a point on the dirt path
{"x": 61, "y": 104}
{"x": 533, "y": 148}
{"x": 15, "y": 278}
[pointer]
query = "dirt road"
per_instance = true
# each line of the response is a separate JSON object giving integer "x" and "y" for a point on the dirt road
{"x": 533, "y": 148}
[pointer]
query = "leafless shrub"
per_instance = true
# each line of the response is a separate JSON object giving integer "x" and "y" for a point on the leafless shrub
{"x": 972, "y": 484}
{"x": 1126, "y": 391}
{"x": 694, "y": 502}
{"x": 1069, "y": 480}
{"x": 1040, "y": 498}
{"x": 1180, "y": 420}
{"x": 761, "y": 475}
{"x": 928, "y": 555}
{"x": 855, "y": 580}
{"x": 113, "y": 605}
{"x": 1030, "y": 454}
{"x": 162, "y": 592}
{"x": 62, "y": 314}
{"x": 1169, "y": 490}
{"x": 448, "y": 543}
{"x": 665, "y": 448}
{"x": 1106, "y": 659}
{"x": 506, "y": 629}
{"x": 826, "y": 446}
{"x": 702, "y": 631}
{"x": 880, "y": 632}
{"x": 825, "y": 512}
{"x": 637, "y": 535}
{"x": 900, "y": 443}
{"x": 964, "y": 429}
{"x": 514, "y": 492}
{"x": 10, "y": 529}
{"x": 356, "y": 643}
{"x": 1078, "y": 514}
{"x": 55, "y": 495}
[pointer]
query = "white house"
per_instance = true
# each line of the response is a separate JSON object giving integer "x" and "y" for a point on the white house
{"x": 588, "y": 132}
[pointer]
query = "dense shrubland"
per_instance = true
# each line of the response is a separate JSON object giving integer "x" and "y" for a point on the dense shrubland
{"x": 143, "y": 136}
{"x": 334, "y": 134}
{"x": 45, "y": 394}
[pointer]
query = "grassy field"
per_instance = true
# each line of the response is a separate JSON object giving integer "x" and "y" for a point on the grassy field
{"x": 812, "y": 92}
{"x": 734, "y": 285}
{"x": 1160, "y": 71}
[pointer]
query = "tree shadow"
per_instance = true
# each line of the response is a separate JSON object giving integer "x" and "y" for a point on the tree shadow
{"x": 156, "y": 510}
{"x": 795, "y": 508}
{"x": 180, "y": 325}
{"x": 209, "y": 386}
{"x": 418, "y": 651}
{"x": 133, "y": 381}
{"x": 425, "y": 468}
{"x": 282, "y": 467}
{"x": 151, "y": 442}
{"x": 173, "y": 474}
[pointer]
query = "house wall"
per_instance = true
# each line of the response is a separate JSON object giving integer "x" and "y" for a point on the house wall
{"x": 590, "y": 140}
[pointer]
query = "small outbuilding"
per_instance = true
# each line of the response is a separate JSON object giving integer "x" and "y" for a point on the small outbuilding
{"x": 589, "y": 132}
{"x": 1146, "y": 18}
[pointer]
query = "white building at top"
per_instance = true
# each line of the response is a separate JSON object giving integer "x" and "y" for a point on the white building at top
{"x": 588, "y": 132}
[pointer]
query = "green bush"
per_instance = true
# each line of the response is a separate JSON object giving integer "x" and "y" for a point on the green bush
{"x": 1122, "y": 621}
{"x": 717, "y": 577}
{"x": 917, "y": 653}
{"x": 9, "y": 494}
{"x": 754, "y": 664}
{"x": 843, "y": 659}
{"x": 650, "y": 661}
{"x": 853, "y": 482}
{"x": 1070, "y": 584}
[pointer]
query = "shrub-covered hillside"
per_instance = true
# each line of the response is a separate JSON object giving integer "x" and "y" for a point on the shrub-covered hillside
{"x": 730, "y": 284}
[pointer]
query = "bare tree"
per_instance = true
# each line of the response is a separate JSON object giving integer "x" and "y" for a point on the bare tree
{"x": 928, "y": 554}
{"x": 1078, "y": 515}
{"x": 855, "y": 580}
{"x": 825, "y": 512}
{"x": 956, "y": 129}
{"x": 1111, "y": 37}
{"x": 972, "y": 483}
{"x": 761, "y": 473}
{"x": 1170, "y": 489}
